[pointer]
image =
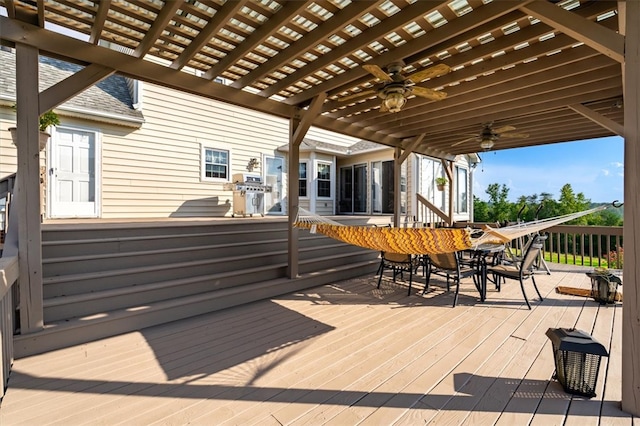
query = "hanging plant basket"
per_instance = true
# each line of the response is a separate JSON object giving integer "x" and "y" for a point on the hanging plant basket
{"x": 440, "y": 187}
{"x": 42, "y": 143}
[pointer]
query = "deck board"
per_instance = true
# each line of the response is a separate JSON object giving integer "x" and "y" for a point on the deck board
{"x": 340, "y": 354}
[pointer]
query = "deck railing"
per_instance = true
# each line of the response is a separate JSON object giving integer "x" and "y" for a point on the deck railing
{"x": 8, "y": 279}
{"x": 586, "y": 245}
{"x": 597, "y": 246}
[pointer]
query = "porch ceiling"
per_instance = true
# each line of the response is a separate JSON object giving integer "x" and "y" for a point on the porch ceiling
{"x": 552, "y": 69}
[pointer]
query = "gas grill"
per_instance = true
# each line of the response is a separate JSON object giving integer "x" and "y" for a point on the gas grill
{"x": 248, "y": 194}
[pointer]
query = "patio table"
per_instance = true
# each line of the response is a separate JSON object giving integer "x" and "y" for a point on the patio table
{"x": 479, "y": 255}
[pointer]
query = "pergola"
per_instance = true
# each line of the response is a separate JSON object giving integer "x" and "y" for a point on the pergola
{"x": 553, "y": 71}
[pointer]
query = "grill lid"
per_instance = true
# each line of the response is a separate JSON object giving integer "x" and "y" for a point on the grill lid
{"x": 247, "y": 178}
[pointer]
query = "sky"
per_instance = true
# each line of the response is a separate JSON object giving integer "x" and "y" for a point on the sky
{"x": 594, "y": 167}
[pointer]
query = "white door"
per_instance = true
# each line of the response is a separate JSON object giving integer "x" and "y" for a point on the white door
{"x": 273, "y": 168}
{"x": 72, "y": 174}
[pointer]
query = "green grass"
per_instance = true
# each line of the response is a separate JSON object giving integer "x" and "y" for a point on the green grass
{"x": 570, "y": 260}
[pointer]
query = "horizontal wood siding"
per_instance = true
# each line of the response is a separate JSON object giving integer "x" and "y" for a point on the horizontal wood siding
{"x": 155, "y": 171}
{"x": 324, "y": 208}
{"x": 8, "y": 152}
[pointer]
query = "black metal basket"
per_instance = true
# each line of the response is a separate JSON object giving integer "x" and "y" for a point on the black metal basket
{"x": 577, "y": 358}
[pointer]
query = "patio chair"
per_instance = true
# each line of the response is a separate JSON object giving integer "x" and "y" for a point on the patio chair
{"x": 398, "y": 263}
{"x": 453, "y": 268}
{"x": 524, "y": 269}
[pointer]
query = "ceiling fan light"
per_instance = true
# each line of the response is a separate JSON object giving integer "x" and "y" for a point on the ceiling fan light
{"x": 395, "y": 101}
{"x": 487, "y": 143}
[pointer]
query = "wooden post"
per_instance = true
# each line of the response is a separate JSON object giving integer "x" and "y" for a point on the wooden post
{"x": 294, "y": 199}
{"x": 298, "y": 128}
{"x": 397, "y": 176}
{"x": 27, "y": 199}
{"x": 630, "y": 16}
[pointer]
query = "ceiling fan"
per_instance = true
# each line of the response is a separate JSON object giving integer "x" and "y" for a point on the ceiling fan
{"x": 488, "y": 136}
{"x": 395, "y": 87}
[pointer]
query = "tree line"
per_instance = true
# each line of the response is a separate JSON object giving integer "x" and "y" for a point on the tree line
{"x": 542, "y": 206}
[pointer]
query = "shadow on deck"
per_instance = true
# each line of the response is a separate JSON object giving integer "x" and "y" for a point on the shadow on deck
{"x": 343, "y": 353}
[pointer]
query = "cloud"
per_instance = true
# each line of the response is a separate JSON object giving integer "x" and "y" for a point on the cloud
{"x": 605, "y": 172}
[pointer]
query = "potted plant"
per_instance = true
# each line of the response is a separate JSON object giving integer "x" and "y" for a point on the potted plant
{"x": 441, "y": 182}
{"x": 47, "y": 119}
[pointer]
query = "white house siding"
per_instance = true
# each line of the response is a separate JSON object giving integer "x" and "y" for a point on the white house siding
{"x": 155, "y": 171}
{"x": 8, "y": 152}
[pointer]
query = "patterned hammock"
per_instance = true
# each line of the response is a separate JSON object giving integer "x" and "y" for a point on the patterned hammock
{"x": 424, "y": 240}
{"x": 505, "y": 234}
{"x": 392, "y": 240}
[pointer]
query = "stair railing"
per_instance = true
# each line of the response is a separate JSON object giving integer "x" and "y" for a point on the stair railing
{"x": 6, "y": 192}
{"x": 9, "y": 274}
{"x": 430, "y": 214}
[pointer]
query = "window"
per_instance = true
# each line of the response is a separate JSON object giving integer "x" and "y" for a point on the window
{"x": 302, "y": 180}
{"x": 215, "y": 164}
{"x": 324, "y": 180}
{"x": 461, "y": 190}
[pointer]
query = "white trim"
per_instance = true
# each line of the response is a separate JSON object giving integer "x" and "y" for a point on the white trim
{"x": 332, "y": 178}
{"x": 283, "y": 191}
{"x": 306, "y": 179}
{"x": 457, "y": 193}
{"x": 215, "y": 147}
{"x": 311, "y": 184}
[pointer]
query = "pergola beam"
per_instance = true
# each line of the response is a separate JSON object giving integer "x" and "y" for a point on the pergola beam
{"x": 411, "y": 146}
{"x": 72, "y": 85}
{"x": 350, "y": 13}
{"x": 491, "y": 89}
{"x": 587, "y": 92}
{"x": 100, "y": 19}
{"x": 481, "y": 16}
{"x": 213, "y": 26}
{"x": 166, "y": 14}
{"x": 398, "y": 20}
{"x": 603, "y": 40}
{"x": 288, "y": 11}
{"x": 592, "y": 115}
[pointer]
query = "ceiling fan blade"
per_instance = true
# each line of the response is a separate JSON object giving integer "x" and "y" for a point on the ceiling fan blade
{"x": 515, "y": 135}
{"x": 475, "y": 138}
{"x": 434, "y": 71}
{"x": 503, "y": 129}
{"x": 377, "y": 72}
{"x": 357, "y": 95}
{"x": 428, "y": 93}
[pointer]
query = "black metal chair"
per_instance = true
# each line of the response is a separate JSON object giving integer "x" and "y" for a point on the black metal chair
{"x": 450, "y": 266}
{"x": 398, "y": 263}
{"x": 524, "y": 269}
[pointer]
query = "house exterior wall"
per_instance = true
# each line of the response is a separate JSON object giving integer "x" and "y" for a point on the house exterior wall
{"x": 154, "y": 171}
{"x": 418, "y": 174}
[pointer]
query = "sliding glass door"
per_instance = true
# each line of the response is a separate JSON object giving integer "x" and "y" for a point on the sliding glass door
{"x": 353, "y": 189}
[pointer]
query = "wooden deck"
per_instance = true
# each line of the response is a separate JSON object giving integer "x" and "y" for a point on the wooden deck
{"x": 341, "y": 354}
